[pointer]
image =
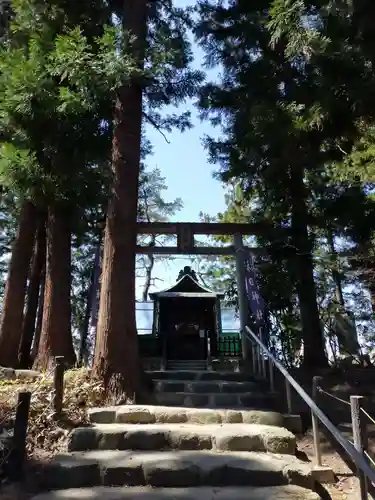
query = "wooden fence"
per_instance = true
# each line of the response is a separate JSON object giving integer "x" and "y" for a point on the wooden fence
{"x": 228, "y": 345}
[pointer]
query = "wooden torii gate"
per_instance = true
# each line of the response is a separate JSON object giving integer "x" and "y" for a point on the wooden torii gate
{"x": 186, "y": 231}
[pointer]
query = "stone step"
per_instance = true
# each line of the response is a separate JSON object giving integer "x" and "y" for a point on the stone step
{"x": 199, "y": 493}
{"x": 134, "y": 414}
{"x": 244, "y": 400}
{"x": 196, "y": 375}
{"x": 201, "y": 386}
{"x": 182, "y": 361}
{"x": 220, "y": 437}
{"x": 173, "y": 469}
{"x": 195, "y": 368}
{"x": 187, "y": 364}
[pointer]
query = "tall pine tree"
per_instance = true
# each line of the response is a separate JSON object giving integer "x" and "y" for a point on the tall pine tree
{"x": 54, "y": 103}
{"x": 161, "y": 77}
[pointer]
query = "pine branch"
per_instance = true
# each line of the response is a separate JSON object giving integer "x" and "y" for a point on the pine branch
{"x": 156, "y": 126}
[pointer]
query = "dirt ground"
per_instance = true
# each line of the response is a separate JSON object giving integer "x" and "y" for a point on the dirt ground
{"x": 347, "y": 485}
{"x": 341, "y": 385}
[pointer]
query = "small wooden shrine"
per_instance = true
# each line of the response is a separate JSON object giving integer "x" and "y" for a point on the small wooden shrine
{"x": 187, "y": 318}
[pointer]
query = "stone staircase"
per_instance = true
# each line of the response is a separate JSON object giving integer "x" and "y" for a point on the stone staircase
{"x": 217, "y": 436}
{"x": 210, "y": 389}
{"x": 190, "y": 365}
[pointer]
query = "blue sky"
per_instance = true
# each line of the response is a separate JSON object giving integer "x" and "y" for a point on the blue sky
{"x": 184, "y": 163}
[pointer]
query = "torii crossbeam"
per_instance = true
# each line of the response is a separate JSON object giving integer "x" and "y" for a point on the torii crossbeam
{"x": 185, "y": 232}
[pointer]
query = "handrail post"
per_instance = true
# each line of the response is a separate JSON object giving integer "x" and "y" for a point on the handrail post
{"x": 263, "y": 358}
{"x": 164, "y": 353}
{"x": 272, "y": 375}
{"x": 209, "y": 357}
{"x": 259, "y": 361}
{"x": 315, "y": 422}
{"x": 254, "y": 360}
{"x": 58, "y": 385}
{"x": 288, "y": 397}
{"x": 18, "y": 451}
{"x": 359, "y": 438}
{"x": 361, "y": 461}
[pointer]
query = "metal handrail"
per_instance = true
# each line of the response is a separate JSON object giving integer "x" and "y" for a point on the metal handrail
{"x": 208, "y": 347}
{"x": 359, "y": 460}
{"x": 164, "y": 352}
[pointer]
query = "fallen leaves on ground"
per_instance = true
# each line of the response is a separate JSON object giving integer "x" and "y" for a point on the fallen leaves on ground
{"x": 46, "y": 431}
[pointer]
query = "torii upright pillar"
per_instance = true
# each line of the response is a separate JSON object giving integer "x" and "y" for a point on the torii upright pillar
{"x": 243, "y": 303}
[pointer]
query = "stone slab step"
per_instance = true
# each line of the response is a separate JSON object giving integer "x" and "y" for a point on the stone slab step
{"x": 201, "y": 386}
{"x": 174, "y": 469}
{"x": 187, "y": 366}
{"x": 221, "y": 437}
{"x": 187, "y": 363}
{"x": 200, "y": 493}
{"x": 134, "y": 414}
{"x": 244, "y": 400}
{"x": 203, "y": 375}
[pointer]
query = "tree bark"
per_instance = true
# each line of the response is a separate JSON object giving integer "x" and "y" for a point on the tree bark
{"x": 39, "y": 318}
{"x": 364, "y": 266}
{"x": 372, "y": 296}
{"x": 56, "y": 335}
{"x": 368, "y": 278}
{"x": 15, "y": 289}
{"x": 95, "y": 307}
{"x": 335, "y": 274}
{"x": 116, "y": 354}
{"x": 368, "y": 275}
{"x": 38, "y": 263}
{"x": 90, "y": 304}
{"x": 149, "y": 267}
{"x": 313, "y": 342}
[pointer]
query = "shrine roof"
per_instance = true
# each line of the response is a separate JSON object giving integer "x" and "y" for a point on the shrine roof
{"x": 186, "y": 286}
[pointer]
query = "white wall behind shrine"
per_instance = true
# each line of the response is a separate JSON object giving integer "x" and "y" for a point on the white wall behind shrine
{"x": 144, "y": 314}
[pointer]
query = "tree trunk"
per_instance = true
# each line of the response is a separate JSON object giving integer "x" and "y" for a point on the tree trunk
{"x": 56, "y": 336}
{"x": 313, "y": 342}
{"x": 116, "y": 354}
{"x": 39, "y": 318}
{"x": 368, "y": 274}
{"x": 335, "y": 274}
{"x": 95, "y": 306}
{"x": 364, "y": 266}
{"x": 90, "y": 304}
{"x": 370, "y": 282}
{"x": 149, "y": 268}
{"x": 15, "y": 289}
{"x": 372, "y": 298}
{"x": 35, "y": 280}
